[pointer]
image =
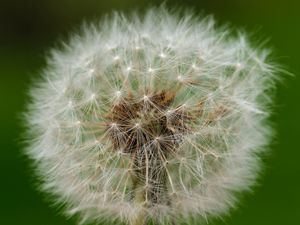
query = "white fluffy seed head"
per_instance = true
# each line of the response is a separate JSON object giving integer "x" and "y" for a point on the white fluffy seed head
{"x": 159, "y": 117}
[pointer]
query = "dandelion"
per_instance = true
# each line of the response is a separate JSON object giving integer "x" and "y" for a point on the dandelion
{"x": 159, "y": 118}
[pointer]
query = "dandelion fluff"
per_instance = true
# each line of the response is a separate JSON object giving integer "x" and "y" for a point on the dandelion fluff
{"x": 156, "y": 118}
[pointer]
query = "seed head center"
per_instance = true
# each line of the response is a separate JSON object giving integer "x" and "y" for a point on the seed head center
{"x": 143, "y": 121}
{"x": 150, "y": 132}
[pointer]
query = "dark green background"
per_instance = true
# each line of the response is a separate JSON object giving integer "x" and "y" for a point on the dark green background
{"x": 29, "y": 27}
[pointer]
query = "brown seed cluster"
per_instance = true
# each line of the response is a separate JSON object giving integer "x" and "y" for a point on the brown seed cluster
{"x": 149, "y": 131}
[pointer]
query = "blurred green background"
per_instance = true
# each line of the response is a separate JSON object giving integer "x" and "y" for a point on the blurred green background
{"x": 28, "y": 28}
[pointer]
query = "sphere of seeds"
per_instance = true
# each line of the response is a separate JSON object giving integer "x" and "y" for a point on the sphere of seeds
{"x": 157, "y": 118}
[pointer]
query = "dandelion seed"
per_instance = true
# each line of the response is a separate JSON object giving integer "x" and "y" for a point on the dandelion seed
{"x": 194, "y": 66}
{"x": 93, "y": 96}
{"x": 70, "y": 104}
{"x": 91, "y": 72}
{"x": 150, "y": 70}
{"x": 239, "y": 66}
{"x": 180, "y": 78}
{"x": 162, "y": 55}
{"x": 116, "y": 58}
{"x": 176, "y": 145}
{"x": 118, "y": 93}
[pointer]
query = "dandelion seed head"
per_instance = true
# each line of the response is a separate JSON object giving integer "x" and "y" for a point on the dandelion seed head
{"x": 176, "y": 137}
